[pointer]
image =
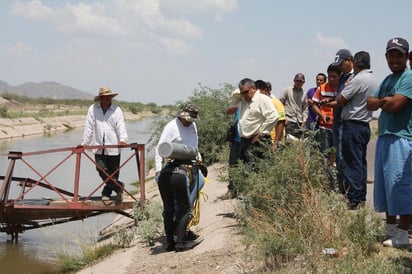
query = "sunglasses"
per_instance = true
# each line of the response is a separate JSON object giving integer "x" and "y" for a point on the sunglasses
{"x": 244, "y": 92}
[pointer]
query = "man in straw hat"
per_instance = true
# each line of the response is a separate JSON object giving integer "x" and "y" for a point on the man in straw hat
{"x": 105, "y": 126}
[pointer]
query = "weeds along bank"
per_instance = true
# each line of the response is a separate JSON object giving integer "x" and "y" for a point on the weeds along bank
{"x": 292, "y": 214}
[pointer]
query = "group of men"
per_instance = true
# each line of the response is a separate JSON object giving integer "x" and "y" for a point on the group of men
{"x": 340, "y": 109}
{"x": 105, "y": 126}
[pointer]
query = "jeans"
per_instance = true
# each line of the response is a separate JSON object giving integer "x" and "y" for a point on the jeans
{"x": 355, "y": 139}
{"x": 325, "y": 138}
{"x": 311, "y": 125}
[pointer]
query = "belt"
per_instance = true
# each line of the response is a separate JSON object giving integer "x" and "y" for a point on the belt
{"x": 265, "y": 136}
{"x": 175, "y": 170}
{"x": 357, "y": 122}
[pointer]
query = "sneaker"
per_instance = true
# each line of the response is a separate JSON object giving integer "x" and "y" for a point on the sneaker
{"x": 391, "y": 230}
{"x": 400, "y": 240}
{"x": 105, "y": 198}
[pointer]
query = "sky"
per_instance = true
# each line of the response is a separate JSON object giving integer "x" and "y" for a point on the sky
{"x": 160, "y": 51}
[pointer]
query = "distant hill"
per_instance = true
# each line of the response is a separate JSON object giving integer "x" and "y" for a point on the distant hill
{"x": 52, "y": 90}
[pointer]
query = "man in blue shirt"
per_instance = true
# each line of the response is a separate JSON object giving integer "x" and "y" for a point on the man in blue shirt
{"x": 393, "y": 159}
{"x": 355, "y": 129}
{"x": 344, "y": 61}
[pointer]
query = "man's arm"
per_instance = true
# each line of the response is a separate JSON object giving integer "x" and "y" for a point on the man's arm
{"x": 316, "y": 109}
{"x": 315, "y": 106}
{"x": 231, "y": 110}
{"x": 394, "y": 103}
{"x": 341, "y": 101}
{"x": 373, "y": 103}
{"x": 279, "y": 129}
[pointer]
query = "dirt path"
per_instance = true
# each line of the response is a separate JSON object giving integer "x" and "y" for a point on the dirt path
{"x": 221, "y": 250}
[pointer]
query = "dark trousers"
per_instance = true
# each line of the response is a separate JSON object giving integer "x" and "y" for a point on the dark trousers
{"x": 174, "y": 191}
{"x": 109, "y": 163}
{"x": 355, "y": 139}
{"x": 233, "y": 159}
{"x": 292, "y": 129}
{"x": 250, "y": 151}
{"x": 337, "y": 143}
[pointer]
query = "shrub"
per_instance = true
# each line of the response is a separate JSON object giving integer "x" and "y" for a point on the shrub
{"x": 213, "y": 122}
{"x": 3, "y": 111}
{"x": 290, "y": 212}
{"x": 150, "y": 222}
{"x": 124, "y": 236}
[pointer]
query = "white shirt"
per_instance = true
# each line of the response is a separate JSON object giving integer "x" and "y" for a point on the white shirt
{"x": 104, "y": 129}
{"x": 257, "y": 116}
{"x": 176, "y": 132}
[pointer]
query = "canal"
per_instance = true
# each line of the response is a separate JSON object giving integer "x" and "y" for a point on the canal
{"x": 37, "y": 250}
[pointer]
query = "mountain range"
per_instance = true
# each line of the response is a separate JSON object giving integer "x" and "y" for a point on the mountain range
{"x": 50, "y": 89}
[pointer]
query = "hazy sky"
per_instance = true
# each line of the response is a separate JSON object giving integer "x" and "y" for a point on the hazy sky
{"x": 159, "y": 50}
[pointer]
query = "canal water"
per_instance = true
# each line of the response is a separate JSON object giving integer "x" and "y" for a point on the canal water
{"x": 37, "y": 250}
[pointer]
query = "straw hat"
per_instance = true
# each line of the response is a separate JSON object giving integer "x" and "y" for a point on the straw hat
{"x": 104, "y": 92}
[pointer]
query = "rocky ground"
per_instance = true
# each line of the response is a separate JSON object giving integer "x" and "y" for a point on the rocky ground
{"x": 221, "y": 250}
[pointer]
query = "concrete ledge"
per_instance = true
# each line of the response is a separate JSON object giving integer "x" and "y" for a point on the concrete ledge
{"x": 26, "y": 126}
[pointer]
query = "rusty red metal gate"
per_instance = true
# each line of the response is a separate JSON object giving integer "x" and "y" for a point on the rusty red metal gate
{"x": 20, "y": 213}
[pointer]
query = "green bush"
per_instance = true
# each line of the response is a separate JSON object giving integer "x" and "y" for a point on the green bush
{"x": 3, "y": 111}
{"x": 150, "y": 222}
{"x": 290, "y": 213}
{"x": 213, "y": 122}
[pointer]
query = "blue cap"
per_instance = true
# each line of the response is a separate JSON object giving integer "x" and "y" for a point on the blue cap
{"x": 341, "y": 55}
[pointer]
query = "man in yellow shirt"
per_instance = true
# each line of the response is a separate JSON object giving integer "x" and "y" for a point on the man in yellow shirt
{"x": 278, "y": 132}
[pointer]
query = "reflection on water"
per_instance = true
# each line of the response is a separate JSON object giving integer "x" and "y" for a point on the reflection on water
{"x": 11, "y": 260}
{"x": 37, "y": 249}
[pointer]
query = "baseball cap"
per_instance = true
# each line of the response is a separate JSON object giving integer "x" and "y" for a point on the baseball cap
{"x": 399, "y": 44}
{"x": 299, "y": 77}
{"x": 341, "y": 55}
{"x": 189, "y": 112}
